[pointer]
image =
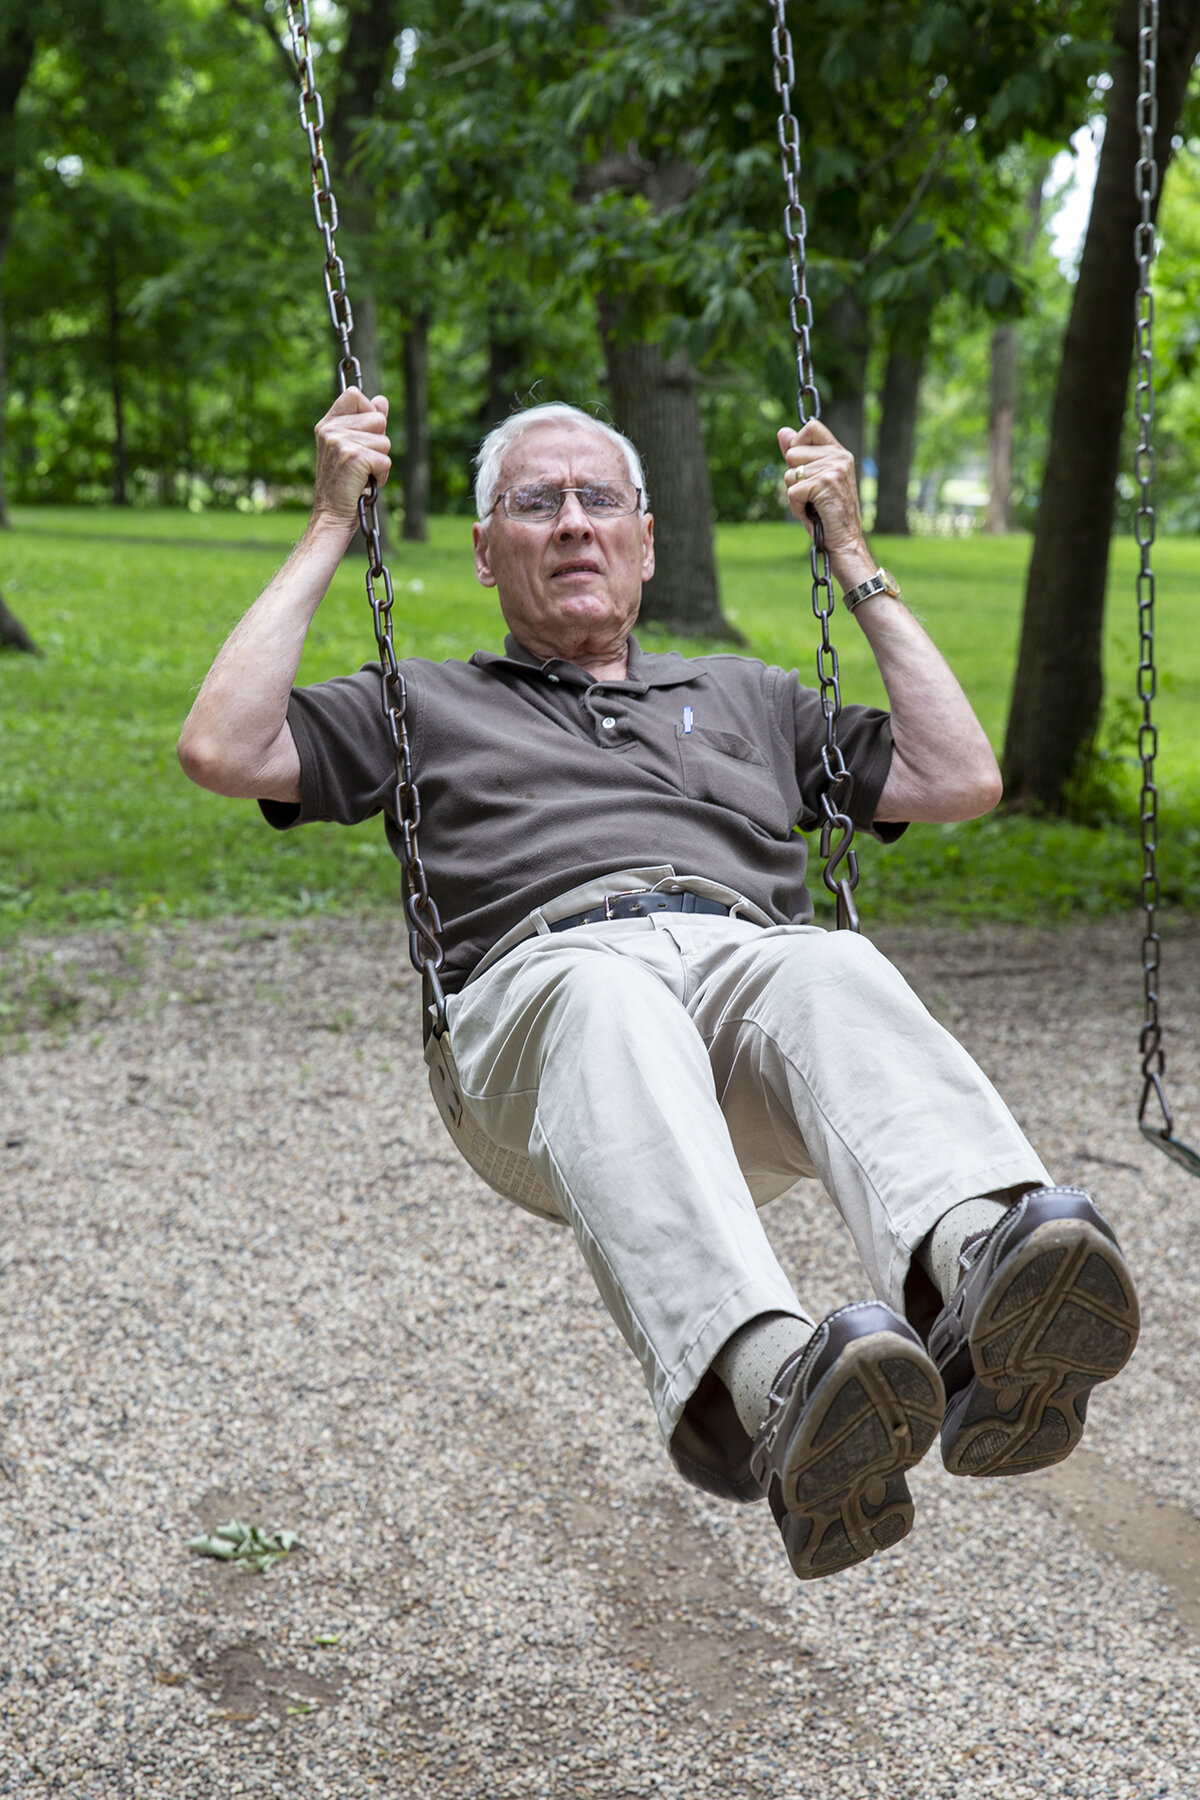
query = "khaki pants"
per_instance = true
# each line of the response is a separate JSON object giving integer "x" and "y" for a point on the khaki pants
{"x": 669, "y": 1075}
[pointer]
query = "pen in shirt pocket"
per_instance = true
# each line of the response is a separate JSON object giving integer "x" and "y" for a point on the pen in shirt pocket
{"x": 687, "y": 721}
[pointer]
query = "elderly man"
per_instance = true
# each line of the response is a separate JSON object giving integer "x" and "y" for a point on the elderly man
{"x": 640, "y": 1005}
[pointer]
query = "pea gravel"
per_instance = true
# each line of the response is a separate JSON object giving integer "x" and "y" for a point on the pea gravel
{"x": 243, "y": 1274}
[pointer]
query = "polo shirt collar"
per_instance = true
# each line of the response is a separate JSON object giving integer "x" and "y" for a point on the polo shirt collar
{"x": 647, "y": 668}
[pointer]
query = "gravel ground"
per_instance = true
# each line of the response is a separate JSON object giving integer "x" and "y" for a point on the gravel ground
{"x": 243, "y": 1273}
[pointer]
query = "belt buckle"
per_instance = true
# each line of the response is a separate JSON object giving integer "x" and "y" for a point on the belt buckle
{"x": 625, "y": 894}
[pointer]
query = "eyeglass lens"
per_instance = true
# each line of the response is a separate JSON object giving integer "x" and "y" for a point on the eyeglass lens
{"x": 534, "y": 500}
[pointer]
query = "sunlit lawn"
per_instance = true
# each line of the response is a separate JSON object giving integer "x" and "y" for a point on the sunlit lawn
{"x": 97, "y": 821}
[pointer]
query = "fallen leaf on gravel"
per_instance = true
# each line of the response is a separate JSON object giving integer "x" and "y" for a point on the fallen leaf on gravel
{"x": 246, "y": 1545}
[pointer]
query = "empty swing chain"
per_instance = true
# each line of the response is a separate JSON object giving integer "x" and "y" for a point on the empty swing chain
{"x": 1146, "y": 188}
{"x": 835, "y": 801}
{"x": 1146, "y": 185}
{"x": 424, "y": 921}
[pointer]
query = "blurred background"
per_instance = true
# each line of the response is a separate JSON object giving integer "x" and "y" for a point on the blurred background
{"x": 583, "y": 201}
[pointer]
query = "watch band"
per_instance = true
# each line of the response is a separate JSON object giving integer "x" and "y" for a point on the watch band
{"x": 878, "y": 583}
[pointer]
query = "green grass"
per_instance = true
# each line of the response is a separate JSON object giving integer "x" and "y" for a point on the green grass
{"x": 99, "y": 823}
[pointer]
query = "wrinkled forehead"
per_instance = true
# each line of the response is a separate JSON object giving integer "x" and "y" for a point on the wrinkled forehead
{"x": 562, "y": 453}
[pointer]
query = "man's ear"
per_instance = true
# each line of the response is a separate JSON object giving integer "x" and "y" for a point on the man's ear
{"x": 647, "y": 546}
{"x": 483, "y": 562}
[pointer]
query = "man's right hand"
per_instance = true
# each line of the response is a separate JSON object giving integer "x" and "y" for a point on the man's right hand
{"x": 352, "y": 445}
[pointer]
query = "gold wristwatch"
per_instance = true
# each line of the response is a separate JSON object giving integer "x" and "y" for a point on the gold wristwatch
{"x": 878, "y": 583}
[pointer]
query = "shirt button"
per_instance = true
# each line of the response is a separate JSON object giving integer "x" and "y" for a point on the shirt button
{"x": 552, "y": 678}
{"x": 608, "y": 723}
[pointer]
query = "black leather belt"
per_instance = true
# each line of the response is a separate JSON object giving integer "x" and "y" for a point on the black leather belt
{"x": 639, "y": 903}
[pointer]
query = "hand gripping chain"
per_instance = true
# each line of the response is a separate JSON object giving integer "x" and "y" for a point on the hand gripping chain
{"x": 1146, "y": 187}
{"x": 835, "y": 801}
{"x": 424, "y": 921}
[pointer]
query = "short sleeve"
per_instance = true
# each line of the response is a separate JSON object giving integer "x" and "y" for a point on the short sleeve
{"x": 347, "y": 765}
{"x": 864, "y": 735}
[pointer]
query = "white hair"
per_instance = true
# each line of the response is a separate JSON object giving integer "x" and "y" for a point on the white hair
{"x": 510, "y": 431}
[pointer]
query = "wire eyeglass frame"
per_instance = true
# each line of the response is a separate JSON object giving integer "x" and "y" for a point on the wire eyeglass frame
{"x": 549, "y": 488}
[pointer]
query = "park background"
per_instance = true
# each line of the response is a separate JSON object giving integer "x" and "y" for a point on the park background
{"x": 243, "y": 1272}
{"x": 583, "y": 202}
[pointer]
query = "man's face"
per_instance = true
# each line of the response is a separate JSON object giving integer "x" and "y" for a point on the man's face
{"x": 571, "y": 585}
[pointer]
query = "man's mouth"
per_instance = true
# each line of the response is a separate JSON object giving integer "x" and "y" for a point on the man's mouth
{"x": 577, "y": 568}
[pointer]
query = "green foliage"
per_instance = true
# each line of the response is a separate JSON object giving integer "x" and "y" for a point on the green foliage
{"x": 1177, "y": 320}
{"x": 1099, "y": 792}
{"x": 527, "y": 156}
{"x": 98, "y": 824}
{"x": 157, "y": 264}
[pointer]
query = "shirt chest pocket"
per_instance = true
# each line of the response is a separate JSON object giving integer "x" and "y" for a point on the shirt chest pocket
{"x": 723, "y": 769}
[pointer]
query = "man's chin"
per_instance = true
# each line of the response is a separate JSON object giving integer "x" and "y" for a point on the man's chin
{"x": 582, "y": 606}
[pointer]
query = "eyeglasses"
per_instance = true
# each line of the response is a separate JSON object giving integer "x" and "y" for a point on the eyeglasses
{"x": 537, "y": 502}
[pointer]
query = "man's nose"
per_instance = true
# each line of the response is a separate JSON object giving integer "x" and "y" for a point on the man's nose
{"x": 572, "y": 521}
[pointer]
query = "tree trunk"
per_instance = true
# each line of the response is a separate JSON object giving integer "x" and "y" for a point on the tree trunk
{"x": 1002, "y": 397}
{"x": 654, "y": 404}
{"x": 13, "y": 635}
{"x": 164, "y": 475}
{"x": 120, "y": 494}
{"x": 3, "y": 399}
{"x": 505, "y": 357}
{"x": 186, "y": 448}
{"x": 415, "y": 465}
{"x": 1059, "y": 685}
{"x": 366, "y": 347}
{"x": 16, "y": 58}
{"x": 1002, "y": 411}
{"x": 898, "y": 428}
{"x": 844, "y": 339}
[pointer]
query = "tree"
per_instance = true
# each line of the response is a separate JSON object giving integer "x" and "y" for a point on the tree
{"x": 16, "y": 56}
{"x": 165, "y": 319}
{"x": 1002, "y": 395}
{"x": 908, "y": 341}
{"x": 621, "y": 107}
{"x": 1058, "y": 692}
{"x": 905, "y": 158}
{"x": 17, "y": 41}
{"x": 13, "y": 635}
{"x": 364, "y": 68}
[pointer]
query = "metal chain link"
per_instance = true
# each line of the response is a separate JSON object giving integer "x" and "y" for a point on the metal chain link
{"x": 424, "y": 920}
{"x": 1146, "y": 189}
{"x": 835, "y": 801}
{"x": 425, "y": 925}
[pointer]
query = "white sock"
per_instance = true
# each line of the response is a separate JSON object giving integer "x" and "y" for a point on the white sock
{"x": 752, "y": 1358}
{"x": 938, "y": 1253}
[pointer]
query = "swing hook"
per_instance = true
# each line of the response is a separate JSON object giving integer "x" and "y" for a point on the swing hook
{"x": 841, "y": 887}
{"x": 1163, "y": 1136}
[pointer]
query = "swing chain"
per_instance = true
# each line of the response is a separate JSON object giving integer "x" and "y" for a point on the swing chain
{"x": 835, "y": 801}
{"x": 1146, "y": 188}
{"x": 424, "y": 921}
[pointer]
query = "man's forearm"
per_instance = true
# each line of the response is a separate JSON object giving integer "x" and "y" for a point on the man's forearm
{"x": 942, "y": 764}
{"x": 236, "y": 739}
{"x": 943, "y": 767}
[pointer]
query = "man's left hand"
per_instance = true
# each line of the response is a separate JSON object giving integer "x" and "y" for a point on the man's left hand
{"x": 820, "y": 474}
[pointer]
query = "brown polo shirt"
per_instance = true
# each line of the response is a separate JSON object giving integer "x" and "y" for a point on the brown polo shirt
{"x": 535, "y": 778}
